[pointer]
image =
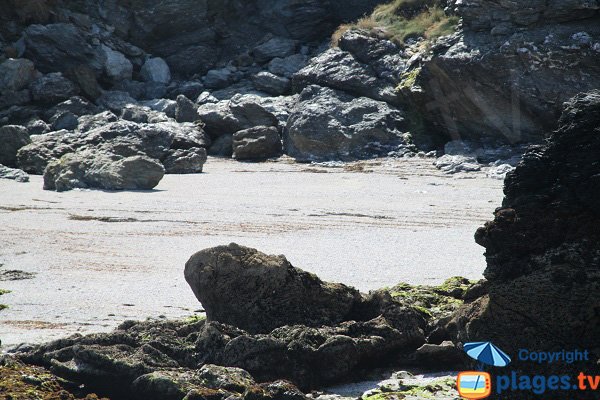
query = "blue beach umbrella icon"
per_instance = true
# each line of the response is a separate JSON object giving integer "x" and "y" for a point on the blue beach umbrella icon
{"x": 487, "y": 353}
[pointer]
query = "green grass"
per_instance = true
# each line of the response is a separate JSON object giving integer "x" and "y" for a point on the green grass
{"x": 401, "y": 20}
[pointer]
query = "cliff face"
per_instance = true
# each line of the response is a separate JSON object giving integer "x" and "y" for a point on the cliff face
{"x": 507, "y": 73}
{"x": 543, "y": 247}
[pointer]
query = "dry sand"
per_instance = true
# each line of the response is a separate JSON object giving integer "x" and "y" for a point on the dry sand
{"x": 102, "y": 257}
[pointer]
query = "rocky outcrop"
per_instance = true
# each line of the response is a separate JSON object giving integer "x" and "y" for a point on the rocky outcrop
{"x": 101, "y": 169}
{"x": 507, "y": 73}
{"x": 256, "y": 292}
{"x": 542, "y": 248}
{"x": 327, "y": 124}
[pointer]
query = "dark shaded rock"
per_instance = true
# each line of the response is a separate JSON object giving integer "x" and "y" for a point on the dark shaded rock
{"x": 9, "y": 99}
{"x": 95, "y": 169}
{"x": 37, "y": 127}
{"x": 331, "y": 125}
{"x": 60, "y": 47}
{"x": 256, "y": 292}
{"x": 13, "y": 173}
{"x": 115, "y": 101}
{"x": 191, "y": 90}
{"x": 218, "y": 78}
{"x": 222, "y": 146}
{"x": 271, "y": 84}
{"x": 288, "y": 66}
{"x": 257, "y": 143}
{"x": 186, "y": 110}
{"x": 16, "y": 74}
{"x": 275, "y": 47}
{"x": 185, "y": 161}
{"x": 117, "y": 67}
{"x": 542, "y": 249}
{"x": 141, "y": 114}
{"x": 53, "y": 88}
{"x": 66, "y": 120}
{"x": 12, "y": 138}
{"x": 76, "y": 105}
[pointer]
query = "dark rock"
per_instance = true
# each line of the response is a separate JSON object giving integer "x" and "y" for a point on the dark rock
{"x": 37, "y": 127}
{"x": 16, "y": 74}
{"x": 218, "y": 78}
{"x": 13, "y": 173}
{"x": 275, "y": 47}
{"x": 256, "y": 292}
{"x": 187, "y": 136}
{"x": 66, "y": 120}
{"x": 96, "y": 169}
{"x": 53, "y": 88}
{"x": 185, "y": 161}
{"x": 141, "y": 114}
{"x": 222, "y": 146}
{"x": 186, "y": 110}
{"x": 77, "y": 106}
{"x": 288, "y": 66}
{"x": 191, "y": 90}
{"x": 328, "y": 124}
{"x": 60, "y": 47}
{"x": 542, "y": 248}
{"x": 12, "y": 138}
{"x": 9, "y": 99}
{"x": 271, "y": 84}
{"x": 257, "y": 143}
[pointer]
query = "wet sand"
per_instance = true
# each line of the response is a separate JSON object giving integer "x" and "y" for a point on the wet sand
{"x": 99, "y": 258}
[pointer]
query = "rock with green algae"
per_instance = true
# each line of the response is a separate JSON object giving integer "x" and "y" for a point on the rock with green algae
{"x": 442, "y": 389}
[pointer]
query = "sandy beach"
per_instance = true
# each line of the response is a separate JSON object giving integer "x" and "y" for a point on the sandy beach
{"x": 94, "y": 258}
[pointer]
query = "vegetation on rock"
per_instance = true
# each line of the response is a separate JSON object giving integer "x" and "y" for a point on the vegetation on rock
{"x": 401, "y": 20}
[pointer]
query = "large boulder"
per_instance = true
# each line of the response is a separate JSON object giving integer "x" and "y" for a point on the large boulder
{"x": 185, "y": 161}
{"x": 543, "y": 248}
{"x": 257, "y": 292}
{"x": 12, "y": 138}
{"x": 117, "y": 67}
{"x": 257, "y": 143}
{"x": 331, "y": 125}
{"x": 275, "y": 47}
{"x": 100, "y": 169}
{"x": 127, "y": 139}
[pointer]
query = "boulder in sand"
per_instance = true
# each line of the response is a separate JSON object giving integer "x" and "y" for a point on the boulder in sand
{"x": 258, "y": 292}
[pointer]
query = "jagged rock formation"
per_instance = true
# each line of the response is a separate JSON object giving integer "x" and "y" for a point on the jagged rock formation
{"x": 543, "y": 249}
{"x": 300, "y": 329}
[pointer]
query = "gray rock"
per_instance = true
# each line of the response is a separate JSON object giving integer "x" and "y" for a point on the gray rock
{"x": 156, "y": 70}
{"x": 115, "y": 101}
{"x": 185, "y": 161}
{"x": 12, "y": 138}
{"x": 76, "y": 105}
{"x": 117, "y": 66}
{"x": 453, "y": 164}
{"x": 37, "y": 127}
{"x": 166, "y": 106}
{"x": 89, "y": 122}
{"x": 275, "y": 47}
{"x": 154, "y": 90}
{"x": 53, "y": 88}
{"x": 141, "y": 114}
{"x": 186, "y": 110}
{"x": 288, "y": 66}
{"x": 13, "y": 173}
{"x": 271, "y": 84}
{"x": 258, "y": 293}
{"x": 16, "y": 74}
{"x": 191, "y": 90}
{"x": 257, "y": 143}
{"x": 94, "y": 169}
{"x": 218, "y": 78}
{"x": 249, "y": 112}
{"x": 121, "y": 138}
{"x": 331, "y": 125}
{"x": 187, "y": 135}
{"x": 499, "y": 171}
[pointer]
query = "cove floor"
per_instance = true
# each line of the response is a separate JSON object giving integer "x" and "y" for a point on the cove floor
{"x": 93, "y": 259}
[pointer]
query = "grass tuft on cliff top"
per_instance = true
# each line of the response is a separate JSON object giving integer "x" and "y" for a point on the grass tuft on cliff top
{"x": 401, "y": 20}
